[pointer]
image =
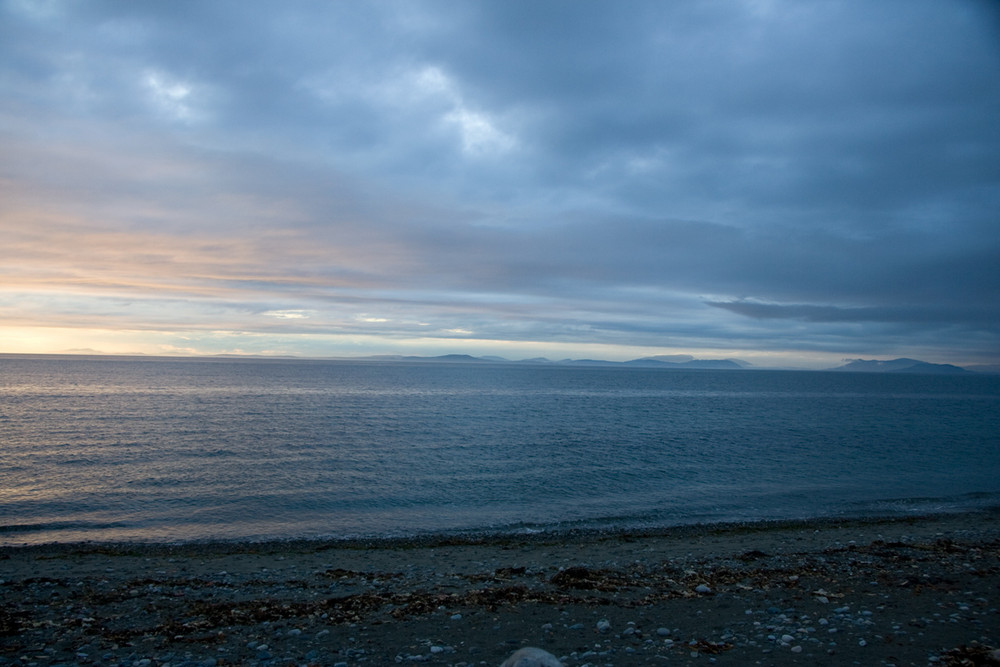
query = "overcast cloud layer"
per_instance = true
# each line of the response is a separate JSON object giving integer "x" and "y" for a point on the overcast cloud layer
{"x": 788, "y": 182}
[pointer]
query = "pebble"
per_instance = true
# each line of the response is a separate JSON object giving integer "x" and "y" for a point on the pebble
{"x": 702, "y": 588}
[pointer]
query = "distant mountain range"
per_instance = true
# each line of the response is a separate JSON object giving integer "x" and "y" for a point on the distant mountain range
{"x": 664, "y": 361}
{"x": 683, "y": 361}
{"x": 672, "y": 361}
{"x": 899, "y": 366}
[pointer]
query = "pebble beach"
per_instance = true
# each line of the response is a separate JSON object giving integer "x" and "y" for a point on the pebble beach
{"x": 913, "y": 591}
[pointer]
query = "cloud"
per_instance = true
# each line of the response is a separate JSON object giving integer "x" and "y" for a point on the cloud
{"x": 811, "y": 176}
{"x": 287, "y": 314}
{"x": 907, "y": 315}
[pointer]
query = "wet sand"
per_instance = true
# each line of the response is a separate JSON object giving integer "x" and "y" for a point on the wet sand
{"x": 913, "y": 591}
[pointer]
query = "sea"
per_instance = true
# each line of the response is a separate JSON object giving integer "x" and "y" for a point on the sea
{"x": 171, "y": 450}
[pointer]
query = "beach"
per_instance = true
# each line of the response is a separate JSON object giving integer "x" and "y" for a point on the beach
{"x": 913, "y": 591}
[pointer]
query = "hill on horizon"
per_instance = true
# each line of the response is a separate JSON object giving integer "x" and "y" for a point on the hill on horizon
{"x": 679, "y": 362}
{"x": 672, "y": 361}
{"x": 901, "y": 365}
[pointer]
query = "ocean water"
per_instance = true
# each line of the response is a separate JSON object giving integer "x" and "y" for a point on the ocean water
{"x": 169, "y": 450}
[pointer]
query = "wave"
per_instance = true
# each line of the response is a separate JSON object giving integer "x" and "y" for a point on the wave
{"x": 924, "y": 505}
{"x": 59, "y": 525}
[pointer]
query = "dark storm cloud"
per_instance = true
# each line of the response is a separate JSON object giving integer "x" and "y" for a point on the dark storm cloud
{"x": 818, "y": 100}
{"x": 803, "y": 175}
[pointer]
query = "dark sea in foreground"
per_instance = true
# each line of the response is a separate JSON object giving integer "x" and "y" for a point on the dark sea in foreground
{"x": 169, "y": 450}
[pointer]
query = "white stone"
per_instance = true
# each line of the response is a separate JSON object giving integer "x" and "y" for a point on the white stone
{"x": 531, "y": 657}
{"x": 702, "y": 588}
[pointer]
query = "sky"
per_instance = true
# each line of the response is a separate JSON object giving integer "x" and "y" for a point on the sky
{"x": 792, "y": 183}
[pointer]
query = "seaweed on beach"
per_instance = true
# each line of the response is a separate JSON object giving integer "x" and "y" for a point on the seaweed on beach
{"x": 490, "y": 598}
{"x": 499, "y": 574}
{"x": 707, "y": 647}
{"x": 10, "y": 622}
{"x": 345, "y": 575}
{"x": 975, "y": 655}
{"x": 583, "y": 578}
{"x": 357, "y": 607}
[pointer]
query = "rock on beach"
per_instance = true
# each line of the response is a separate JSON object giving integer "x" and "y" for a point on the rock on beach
{"x": 531, "y": 657}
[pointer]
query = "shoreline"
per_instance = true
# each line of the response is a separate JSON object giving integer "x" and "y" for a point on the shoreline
{"x": 894, "y": 590}
{"x": 488, "y": 537}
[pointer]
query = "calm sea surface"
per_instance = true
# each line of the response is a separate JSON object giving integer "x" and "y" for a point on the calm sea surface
{"x": 175, "y": 450}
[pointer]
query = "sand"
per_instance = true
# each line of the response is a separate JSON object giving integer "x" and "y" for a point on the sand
{"x": 913, "y": 591}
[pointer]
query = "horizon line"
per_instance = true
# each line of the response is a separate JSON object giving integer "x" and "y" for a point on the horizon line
{"x": 496, "y": 359}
